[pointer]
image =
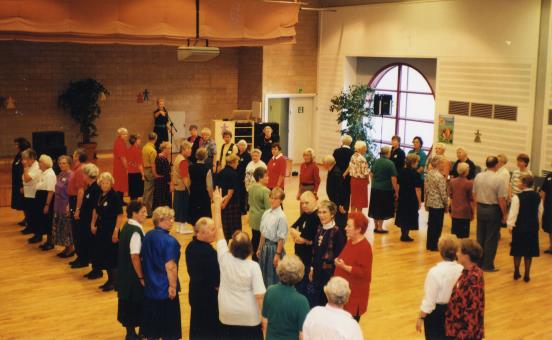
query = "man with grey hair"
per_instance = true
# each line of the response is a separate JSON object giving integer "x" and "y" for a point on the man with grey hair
{"x": 342, "y": 156}
{"x": 490, "y": 193}
{"x": 332, "y": 322}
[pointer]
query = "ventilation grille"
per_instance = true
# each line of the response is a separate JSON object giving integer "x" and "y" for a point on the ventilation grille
{"x": 459, "y": 108}
{"x": 489, "y": 111}
{"x": 481, "y": 110}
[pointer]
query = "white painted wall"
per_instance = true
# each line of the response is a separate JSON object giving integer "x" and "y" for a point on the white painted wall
{"x": 486, "y": 52}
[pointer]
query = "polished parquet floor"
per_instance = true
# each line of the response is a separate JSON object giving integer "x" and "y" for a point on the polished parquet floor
{"x": 42, "y": 298}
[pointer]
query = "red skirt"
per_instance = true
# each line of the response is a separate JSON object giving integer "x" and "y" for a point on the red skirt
{"x": 359, "y": 192}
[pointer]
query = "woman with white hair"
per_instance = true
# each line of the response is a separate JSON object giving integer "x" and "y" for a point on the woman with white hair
{"x": 439, "y": 150}
{"x": 45, "y": 189}
{"x": 462, "y": 204}
{"x": 384, "y": 190}
{"x": 359, "y": 171}
{"x": 255, "y": 163}
{"x": 162, "y": 186}
{"x": 462, "y": 155}
{"x": 120, "y": 164}
{"x": 245, "y": 159}
{"x": 209, "y": 144}
{"x": 285, "y": 309}
{"x": 107, "y": 218}
{"x": 436, "y": 201}
{"x": 332, "y": 322}
{"x": 309, "y": 174}
{"x": 267, "y": 140}
{"x": 62, "y": 234}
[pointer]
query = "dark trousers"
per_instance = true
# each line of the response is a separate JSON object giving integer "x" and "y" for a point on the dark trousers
{"x": 241, "y": 332}
{"x": 347, "y": 193}
{"x": 44, "y": 220}
{"x": 434, "y": 324}
{"x": 32, "y": 213}
{"x": 255, "y": 239}
{"x": 488, "y": 232}
{"x": 434, "y": 227}
{"x": 461, "y": 227}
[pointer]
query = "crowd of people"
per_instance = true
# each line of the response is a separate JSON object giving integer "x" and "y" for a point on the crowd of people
{"x": 248, "y": 287}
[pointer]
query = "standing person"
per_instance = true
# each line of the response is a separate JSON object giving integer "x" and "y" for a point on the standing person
{"x": 31, "y": 174}
{"x": 135, "y": 168}
{"x": 244, "y": 160}
{"x": 523, "y": 223}
{"x": 546, "y": 198}
{"x": 398, "y": 156}
{"x": 161, "y": 123}
{"x": 439, "y": 150}
{"x": 267, "y": 142}
{"x": 203, "y": 269}
{"x": 359, "y": 172}
{"x": 209, "y": 144}
{"x": 490, "y": 193}
{"x": 162, "y": 174}
{"x": 274, "y": 231}
{"x": 303, "y": 232}
{"x": 466, "y": 307}
{"x": 130, "y": 276}
{"x": 227, "y": 149}
{"x": 276, "y": 168}
{"x": 106, "y": 222}
{"x": 84, "y": 235}
{"x": 354, "y": 264}
{"x": 522, "y": 170}
{"x": 160, "y": 257}
{"x": 120, "y": 163}
{"x": 439, "y": 282}
{"x": 229, "y": 183}
{"x": 335, "y": 188}
{"x": 342, "y": 156}
{"x": 462, "y": 156}
{"x": 62, "y": 235}
{"x": 240, "y": 296}
{"x": 503, "y": 171}
{"x": 309, "y": 174}
{"x": 195, "y": 140}
{"x": 259, "y": 202}
{"x": 418, "y": 143}
{"x": 285, "y": 309}
{"x": 76, "y": 190}
{"x": 328, "y": 243}
{"x": 17, "y": 198}
{"x": 436, "y": 202}
{"x": 181, "y": 186}
{"x": 45, "y": 189}
{"x": 201, "y": 187}
{"x": 149, "y": 154}
{"x": 410, "y": 197}
{"x": 331, "y": 321}
{"x": 462, "y": 205}
{"x": 384, "y": 190}
{"x": 252, "y": 166}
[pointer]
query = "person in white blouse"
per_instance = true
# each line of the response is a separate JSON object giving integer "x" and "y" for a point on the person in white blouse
{"x": 255, "y": 163}
{"x": 241, "y": 289}
{"x": 45, "y": 188}
{"x": 31, "y": 172}
{"x": 440, "y": 281}
{"x": 332, "y": 322}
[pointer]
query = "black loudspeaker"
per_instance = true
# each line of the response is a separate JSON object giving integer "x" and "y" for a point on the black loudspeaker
{"x": 258, "y": 133}
{"x": 382, "y": 104}
{"x": 51, "y": 143}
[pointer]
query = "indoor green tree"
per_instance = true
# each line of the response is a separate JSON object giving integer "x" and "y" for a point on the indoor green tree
{"x": 354, "y": 115}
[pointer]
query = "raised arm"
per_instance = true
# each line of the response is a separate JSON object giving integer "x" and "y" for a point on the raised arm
{"x": 217, "y": 200}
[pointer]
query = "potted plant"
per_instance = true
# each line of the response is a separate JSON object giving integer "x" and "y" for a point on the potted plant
{"x": 80, "y": 100}
{"x": 355, "y": 112}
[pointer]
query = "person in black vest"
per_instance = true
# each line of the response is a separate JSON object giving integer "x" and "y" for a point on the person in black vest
{"x": 21, "y": 144}
{"x": 161, "y": 119}
{"x": 267, "y": 140}
{"x": 227, "y": 149}
{"x": 130, "y": 278}
{"x": 523, "y": 223}
{"x": 335, "y": 188}
{"x": 462, "y": 155}
{"x": 397, "y": 154}
{"x": 229, "y": 184}
{"x": 342, "y": 156}
{"x": 195, "y": 140}
{"x": 245, "y": 158}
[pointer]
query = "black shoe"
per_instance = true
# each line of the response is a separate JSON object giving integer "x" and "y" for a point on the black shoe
{"x": 94, "y": 275}
{"x": 108, "y": 287}
{"x": 79, "y": 265}
{"x": 517, "y": 276}
{"x": 77, "y": 260}
{"x": 381, "y": 231}
{"x": 407, "y": 239}
{"x": 22, "y": 223}
{"x": 27, "y": 231}
{"x": 35, "y": 239}
{"x": 47, "y": 246}
{"x": 65, "y": 255}
{"x": 548, "y": 251}
{"x": 526, "y": 278}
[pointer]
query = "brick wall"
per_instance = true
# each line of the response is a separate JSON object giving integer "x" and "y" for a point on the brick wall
{"x": 34, "y": 74}
{"x": 250, "y": 76}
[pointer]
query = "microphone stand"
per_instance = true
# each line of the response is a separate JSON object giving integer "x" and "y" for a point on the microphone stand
{"x": 172, "y": 127}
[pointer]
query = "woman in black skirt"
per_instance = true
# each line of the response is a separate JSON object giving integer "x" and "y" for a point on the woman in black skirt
{"x": 21, "y": 144}
{"x": 229, "y": 183}
{"x": 106, "y": 221}
{"x": 161, "y": 188}
{"x": 523, "y": 223}
{"x": 410, "y": 197}
{"x": 384, "y": 190}
{"x": 160, "y": 127}
{"x": 201, "y": 187}
{"x": 546, "y": 196}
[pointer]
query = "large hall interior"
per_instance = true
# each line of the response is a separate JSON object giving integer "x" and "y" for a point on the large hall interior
{"x": 276, "y": 169}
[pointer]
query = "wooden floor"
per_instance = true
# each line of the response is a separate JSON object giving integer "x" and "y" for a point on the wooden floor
{"x": 42, "y": 298}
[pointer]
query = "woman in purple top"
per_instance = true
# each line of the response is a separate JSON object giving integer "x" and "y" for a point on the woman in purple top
{"x": 461, "y": 201}
{"x": 62, "y": 234}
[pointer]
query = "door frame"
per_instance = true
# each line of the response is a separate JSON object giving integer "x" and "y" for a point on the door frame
{"x": 269, "y": 96}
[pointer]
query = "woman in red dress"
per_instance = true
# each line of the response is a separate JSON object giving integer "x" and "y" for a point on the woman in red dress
{"x": 120, "y": 165}
{"x": 355, "y": 264}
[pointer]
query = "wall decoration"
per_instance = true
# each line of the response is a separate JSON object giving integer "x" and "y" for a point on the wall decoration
{"x": 146, "y": 95}
{"x": 446, "y": 129}
{"x": 10, "y": 103}
{"x": 477, "y": 138}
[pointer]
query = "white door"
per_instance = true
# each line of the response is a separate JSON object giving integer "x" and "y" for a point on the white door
{"x": 300, "y": 127}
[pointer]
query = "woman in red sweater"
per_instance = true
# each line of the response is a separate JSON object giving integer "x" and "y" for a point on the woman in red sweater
{"x": 309, "y": 175}
{"x": 355, "y": 264}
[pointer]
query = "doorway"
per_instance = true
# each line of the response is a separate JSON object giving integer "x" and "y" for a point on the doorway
{"x": 278, "y": 112}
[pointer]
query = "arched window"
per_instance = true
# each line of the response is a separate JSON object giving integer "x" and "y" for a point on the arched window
{"x": 412, "y": 110}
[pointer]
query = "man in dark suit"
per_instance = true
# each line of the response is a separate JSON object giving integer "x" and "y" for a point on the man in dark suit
{"x": 342, "y": 156}
{"x": 335, "y": 188}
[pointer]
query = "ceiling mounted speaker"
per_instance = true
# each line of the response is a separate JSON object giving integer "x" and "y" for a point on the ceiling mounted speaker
{"x": 197, "y": 54}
